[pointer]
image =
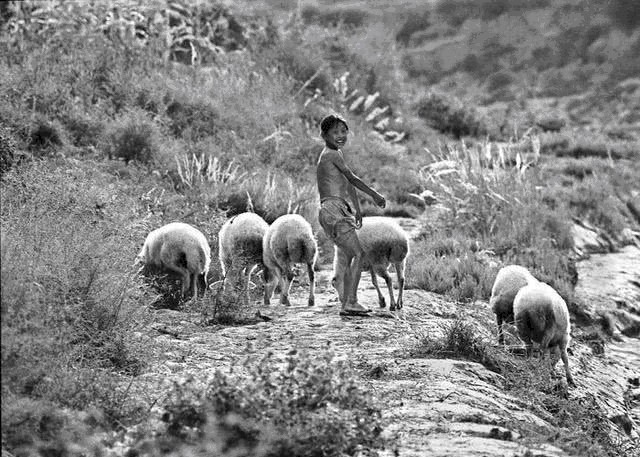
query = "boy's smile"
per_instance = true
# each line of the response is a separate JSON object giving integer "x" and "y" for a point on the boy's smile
{"x": 336, "y": 136}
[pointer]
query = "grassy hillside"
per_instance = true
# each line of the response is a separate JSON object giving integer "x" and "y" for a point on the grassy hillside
{"x": 518, "y": 117}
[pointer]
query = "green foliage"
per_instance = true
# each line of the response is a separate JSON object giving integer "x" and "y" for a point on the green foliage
{"x": 133, "y": 137}
{"x": 459, "y": 339}
{"x": 458, "y": 11}
{"x": 624, "y": 14}
{"x": 493, "y": 208}
{"x": 7, "y": 150}
{"x": 192, "y": 117}
{"x": 448, "y": 264}
{"x": 449, "y": 115}
{"x": 333, "y": 16}
{"x": 416, "y": 22}
{"x": 67, "y": 331}
{"x": 304, "y": 405}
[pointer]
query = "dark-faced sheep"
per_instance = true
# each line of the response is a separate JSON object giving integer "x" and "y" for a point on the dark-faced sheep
{"x": 509, "y": 281}
{"x": 542, "y": 316}
{"x": 180, "y": 248}
{"x": 384, "y": 243}
{"x": 288, "y": 241}
{"x": 240, "y": 248}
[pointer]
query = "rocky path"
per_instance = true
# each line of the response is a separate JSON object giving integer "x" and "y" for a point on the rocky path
{"x": 436, "y": 407}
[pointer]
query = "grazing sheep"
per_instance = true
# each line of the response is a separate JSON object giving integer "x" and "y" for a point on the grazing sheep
{"x": 288, "y": 241}
{"x": 384, "y": 242}
{"x": 180, "y": 248}
{"x": 542, "y": 316}
{"x": 240, "y": 247}
{"x": 509, "y": 281}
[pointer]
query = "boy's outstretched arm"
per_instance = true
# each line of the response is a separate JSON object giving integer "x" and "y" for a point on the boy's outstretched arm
{"x": 358, "y": 183}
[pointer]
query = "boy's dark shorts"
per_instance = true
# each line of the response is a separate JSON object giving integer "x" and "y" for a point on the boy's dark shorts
{"x": 336, "y": 218}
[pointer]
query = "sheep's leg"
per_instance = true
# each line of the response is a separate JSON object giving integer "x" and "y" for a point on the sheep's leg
{"x": 544, "y": 344}
{"x": 387, "y": 277}
{"x": 500, "y": 330}
{"x": 565, "y": 361}
{"x": 286, "y": 279}
{"x": 271, "y": 279}
{"x": 312, "y": 283}
{"x": 400, "y": 272}
{"x": 374, "y": 280}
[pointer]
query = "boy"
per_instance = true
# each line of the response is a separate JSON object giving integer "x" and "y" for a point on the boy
{"x": 337, "y": 187}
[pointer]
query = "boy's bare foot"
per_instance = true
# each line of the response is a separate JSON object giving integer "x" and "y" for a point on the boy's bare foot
{"x": 354, "y": 308}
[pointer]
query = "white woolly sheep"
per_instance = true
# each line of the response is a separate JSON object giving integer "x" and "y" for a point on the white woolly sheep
{"x": 509, "y": 281}
{"x": 384, "y": 242}
{"x": 180, "y": 248}
{"x": 240, "y": 247}
{"x": 288, "y": 241}
{"x": 542, "y": 316}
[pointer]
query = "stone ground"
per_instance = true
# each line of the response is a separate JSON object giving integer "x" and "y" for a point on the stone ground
{"x": 436, "y": 407}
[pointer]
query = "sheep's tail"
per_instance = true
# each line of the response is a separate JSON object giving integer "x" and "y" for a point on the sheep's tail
{"x": 399, "y": 251}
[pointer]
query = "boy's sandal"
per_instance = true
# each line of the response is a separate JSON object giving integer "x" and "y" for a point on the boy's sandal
{"x": 352, "y": 312}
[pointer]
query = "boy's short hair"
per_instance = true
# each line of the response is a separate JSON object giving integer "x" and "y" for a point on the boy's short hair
{"x": 331, "y": 120}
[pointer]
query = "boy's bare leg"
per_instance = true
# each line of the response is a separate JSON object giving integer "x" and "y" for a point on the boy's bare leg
{"x": 351, "y": 244}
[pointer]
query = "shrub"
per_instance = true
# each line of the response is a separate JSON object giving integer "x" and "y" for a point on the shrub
{"x": 624, "y": 14}
{"x": 415, "y": 23}
{"x": 7, "y": 150}
{"x": 65, "y": 338}
{"x": 132, "y": 137}
{"x": 458, "y": 11}
{"x": 329, "y": 16}
{"x": 499, "y": 80}
{"x": 303, "y": 405}
{"x": 192, "y": 119}
{"x": 304, "y": 65}
{"x": 449, "y": 115}
{"x": 493, "y": 207}
{"x": 46, "y": 135}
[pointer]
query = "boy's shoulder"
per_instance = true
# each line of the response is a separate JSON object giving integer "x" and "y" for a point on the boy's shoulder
{"x": 330, "y": 154}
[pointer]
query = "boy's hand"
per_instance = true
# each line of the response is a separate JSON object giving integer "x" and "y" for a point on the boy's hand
{"x": 358, "y": 220}
{"x": 380, "y": 200}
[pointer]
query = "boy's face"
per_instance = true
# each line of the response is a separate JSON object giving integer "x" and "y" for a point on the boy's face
{"x": 336, "y": 136}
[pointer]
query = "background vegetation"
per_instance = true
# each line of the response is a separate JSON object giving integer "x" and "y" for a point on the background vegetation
{"x": 517, "y": 117}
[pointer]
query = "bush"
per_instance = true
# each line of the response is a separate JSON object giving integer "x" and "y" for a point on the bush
{"x": 46, "y": 135}
{"x": 8, "y": 150}
{"x": 132, "y": 137}
{"x": 624, "y": 14}
{"x": 458, "y": 11}
{"x": 330, "y": 16}
{"x": 193, "y": 119}
{"x": 68, "y": 332}
{"x": 493, "y": 208}
{"x": 415, "y": 23}
{"x": 449, "y": 115}
{"x": 303, "y": 405}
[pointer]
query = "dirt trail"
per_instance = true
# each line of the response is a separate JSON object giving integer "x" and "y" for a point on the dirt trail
{"x": 437, "y": 407}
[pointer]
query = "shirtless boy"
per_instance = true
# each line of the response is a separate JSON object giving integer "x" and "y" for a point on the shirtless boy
{"x": 340, "y": 213}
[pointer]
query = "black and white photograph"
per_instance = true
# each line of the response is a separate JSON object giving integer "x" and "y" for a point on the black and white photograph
{"x": 320, "y": 228}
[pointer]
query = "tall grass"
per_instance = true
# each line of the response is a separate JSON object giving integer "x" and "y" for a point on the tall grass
{"x": 492, "y": 206}
{"x": 69, "y": 298}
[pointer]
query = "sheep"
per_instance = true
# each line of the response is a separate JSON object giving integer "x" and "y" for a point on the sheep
{"x": 180, "y": 248}
{"x": 509, "y": 281}
{"x": 240, "y": 247}
{"x": 384, "y": 242}
{"x": 289, "y": 240}
{"x": 541, "y": 315}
